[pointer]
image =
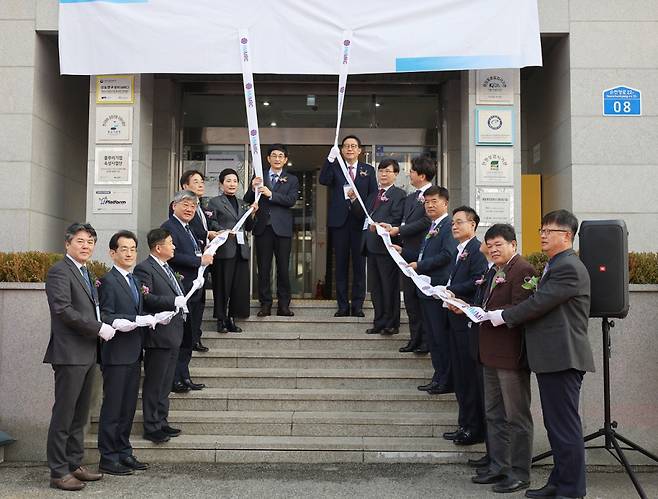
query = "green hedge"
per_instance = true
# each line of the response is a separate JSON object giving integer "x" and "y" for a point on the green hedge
{"x": 32, "y": 266}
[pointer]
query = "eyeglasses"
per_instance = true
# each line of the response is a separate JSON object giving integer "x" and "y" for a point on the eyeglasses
{"x": 350, "y": 146}
{"x": 547, "y": 232}
{"x": 277, "y": 156}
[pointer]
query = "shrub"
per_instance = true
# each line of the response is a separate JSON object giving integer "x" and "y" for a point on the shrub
{"x": 32, "y": 266}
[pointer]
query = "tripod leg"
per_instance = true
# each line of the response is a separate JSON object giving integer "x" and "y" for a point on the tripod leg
{"x": 630, "y": 472}
{"x": 542, "y": 456}
{"x": 594, "y": 435}
{"x": 636, "y": 447}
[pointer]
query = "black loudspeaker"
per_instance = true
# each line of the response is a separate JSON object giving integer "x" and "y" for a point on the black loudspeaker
{"x": 604, "y": 251}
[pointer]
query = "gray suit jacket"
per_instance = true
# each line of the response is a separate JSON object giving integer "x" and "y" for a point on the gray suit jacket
{"x": 225, "y": 217}
{"x": 73, "y": 324}
{"x": 556, "y": 318}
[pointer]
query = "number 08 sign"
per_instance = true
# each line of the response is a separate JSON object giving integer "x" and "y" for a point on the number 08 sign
{"x": 622, "y": 101}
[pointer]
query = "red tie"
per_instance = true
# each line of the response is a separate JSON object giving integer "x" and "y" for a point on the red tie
{"x": 351, "y": 169}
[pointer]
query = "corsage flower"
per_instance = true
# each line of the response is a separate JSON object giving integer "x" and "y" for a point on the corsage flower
{"x": 464, "y": 255}
{"x": 97, "y": 283}
{"x": 145, "y": 290}
{"x": 530, "y": 282}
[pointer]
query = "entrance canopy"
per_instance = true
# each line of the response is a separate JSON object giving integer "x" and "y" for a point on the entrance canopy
{"x": 296, "y": 37}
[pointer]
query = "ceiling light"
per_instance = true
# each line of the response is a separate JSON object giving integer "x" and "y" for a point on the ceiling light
{"x": 289, "y": 163}
{"x": 273, "y": 123}
{"x": 266, "y": 103}
{"x": 377, "y": 104}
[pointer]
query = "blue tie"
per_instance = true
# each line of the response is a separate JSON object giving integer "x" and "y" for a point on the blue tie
{"x": 173, "y": 280}
{"x": 133, "y": 288}
{"x": 274, "y": 178}
{"x": 85, "y": 275}
{"x": 189, "y": 233}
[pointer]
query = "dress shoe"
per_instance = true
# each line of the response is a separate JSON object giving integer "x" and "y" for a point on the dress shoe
{"x": 488, "y": 478}
{"x": 200, "y": 347}
{"x": 133, "y": 463}
{"x": 232, "y": 326}
{"x": 264, "y": 311}
{"x": 468, "y": 438}
{"x": 483, "y": 470}
{"x": 192, "y": 385}
{"x": 284, "y": 312}
{"x": 341, "y": 313}
{"x": 84, "y": 475}
{"x": 407, "y": 348}
{"x": 510, "y": 485}
{"x": 179, "y": 387}
{"x": 547, "y": 490}
{"x": 157, "y": 437}
{"x": 389, "y": 331}
{"x": 172, "y": 432}
{"x": 567, "y": 497}
{"x": 479, "y": 463}
{"x": 422, "y": 350}
{"x": 221, "y": 326}
{"x": 115, "y": 468}
{"x": 451, "y": 435}
{"x": 427, "y": 386}
{"x": 67, "y": 482}
{"x": 358, "y": 313}
{"x": 439, "y": 389}
{"x": 373, "y": 330}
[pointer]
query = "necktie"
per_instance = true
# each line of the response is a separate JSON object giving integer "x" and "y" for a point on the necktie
{"x": 378, "y": 199}
{"x": 133, "y": 288}
{"x": 173, "y": 280}
{"x": 189, "y": 233}
{"x": 85, "y": 275}
{"x": 418, "y": 193}
{"x": 274, "y": 178}
{"x": 351, "y": 170}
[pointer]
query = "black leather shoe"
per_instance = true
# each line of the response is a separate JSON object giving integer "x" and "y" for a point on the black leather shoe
{"x": 133, "y": 463}
{"x": 373, "y": 330}
{"x": 179, "y": 387}
{"x": 285, "y": 312}
{"x": 341, "y": 313}
{"x": 407, "y": 348}
{"x": 468, "y": 438}
{"x": 510, "y": 485}
{"x": 192, "y": 385}
{"x": 200, "y": 347}
{"x": 482, "y": 470}
{"x": 264, "y": 311}
{"x": 427, "y": 386}
{"x": 567, "y": 497}
{"x": 172, "y": 432}
{"x": 439, "y": 389}
{"x": 451, "y": 435}
{"x": 232, "y": 326}
{"x": 114, "y": 468}
{"x": 157, "y": 437}
{"x": 488, "y": 478}
{"x": 547, "y": 490}
{"x": 358, "y": 313}
{"x": 480, "y": 463}
{"x": 221, "y": 326}
{"x": 390, "y": 331}
{"x": 422, "y": 350}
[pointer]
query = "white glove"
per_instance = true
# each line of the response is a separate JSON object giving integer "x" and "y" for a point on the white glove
{"x": 123, "y": 325}
{"x": 198, "y": 282}
{"x": 145, "y": 320}
{"x": 496, "y": 317}
{"x": 106, "y": 332}
{"x": 333, "y": 154}
{"x": 164, "y": 317}
{"x": 181, "y": 302}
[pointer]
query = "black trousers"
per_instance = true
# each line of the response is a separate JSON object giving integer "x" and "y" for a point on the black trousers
{"x": 412, "y": 305}
{"x": 464, "y": 375}
{"x": 191, "y": 335}
{"x": 560, "y": 394}
{"x": 435, "y": 321}
{"x": 269, "y": 245}
{"x": 384, "y": 290}
{"x": 65, "y": 444}
{"x": 230, "y": 281}
{"x": 120, "y": 388}
{"x": 347, "y": 241}
{"x": 159, "y": 370}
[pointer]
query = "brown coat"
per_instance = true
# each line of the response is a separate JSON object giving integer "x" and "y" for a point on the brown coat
{"x": 502, "y": 347}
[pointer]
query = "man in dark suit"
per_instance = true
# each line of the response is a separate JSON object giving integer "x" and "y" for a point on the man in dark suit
{"x": 506, "y": 375}
{"x": 434, "y": 259}
{"x": 345, "y": 224}
{"x": 120, "y": 299}
{"x": 187, "y": 259}
{"x": 385, "y": 206}
{"x": 467, "y": 267}
{"x": 273, "y": 229}
{"x": 412, "y": 230}
{"x": 75, "y": 325}
{"x": 162, "y": 292}
{"x": 555, "y": 318}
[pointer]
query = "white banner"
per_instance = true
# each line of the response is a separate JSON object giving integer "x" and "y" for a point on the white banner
{"x": 295, "y": 37}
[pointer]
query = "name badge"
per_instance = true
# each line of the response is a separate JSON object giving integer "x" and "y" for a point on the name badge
{"x": 98, "y": 314}
{"x": 240, "y": 237}
{"x": 365, "y": 224}
{"x": 346, "y": 189}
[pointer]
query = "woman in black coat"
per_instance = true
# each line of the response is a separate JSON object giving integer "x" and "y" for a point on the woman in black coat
{"x": 230, "y": 276}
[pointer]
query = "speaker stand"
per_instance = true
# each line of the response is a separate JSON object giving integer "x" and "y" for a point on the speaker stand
{"x": 609, "y": 430}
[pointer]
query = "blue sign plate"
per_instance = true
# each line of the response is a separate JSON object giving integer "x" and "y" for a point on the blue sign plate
{"x": 622, "y": 101}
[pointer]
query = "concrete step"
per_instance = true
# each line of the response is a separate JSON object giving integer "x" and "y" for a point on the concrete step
{"x": 365, "y": 379}
{"x": 311, "y": 359}
{"x": 296, "y": 449}
{"x": 307, "y": 324}
{"x": 305, "y": 423}
{"x": 311, "y": 399}
{"x": 337, "y": 339}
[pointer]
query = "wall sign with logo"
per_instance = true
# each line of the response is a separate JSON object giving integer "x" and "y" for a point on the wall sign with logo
{"x": 114, "y": 125}
{"x": 115, "y": 89}
{"x": 113, "y": 165}
{"x": 622, "y": 101}
{"x": 494, "y": 206}
{"x": 494, "y": 166}
{"x": 108, "y": 199}
{"x": 494, "y": 125}
{"x": 495, "y": 86}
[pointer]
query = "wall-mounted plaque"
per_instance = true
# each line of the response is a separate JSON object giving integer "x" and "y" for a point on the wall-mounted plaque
{"x": 113, "y": 165}
{"x": 114, "y": 125}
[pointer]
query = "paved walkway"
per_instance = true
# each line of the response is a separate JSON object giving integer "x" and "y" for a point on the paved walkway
{"x": 302, "y": 481}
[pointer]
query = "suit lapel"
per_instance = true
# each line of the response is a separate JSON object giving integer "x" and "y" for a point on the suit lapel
{"x": 159, "y": 270}
{"x": 228, "y": 207}
{"x": 124, "y": 285}
{"x": 80, "y": 279}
